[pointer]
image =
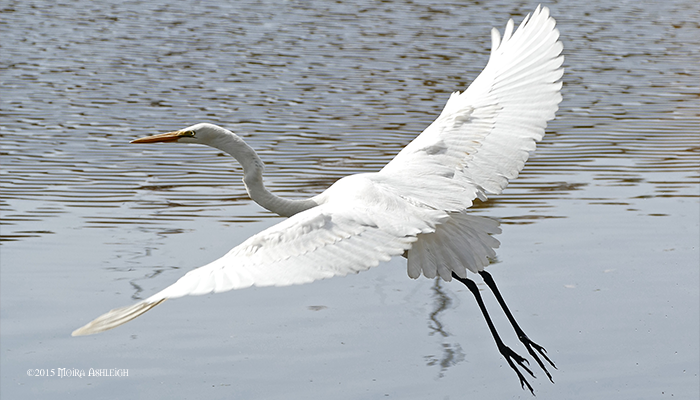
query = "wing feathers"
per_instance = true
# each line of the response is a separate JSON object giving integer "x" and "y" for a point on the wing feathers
{"x": 332, "y": 239}
{"x": 116, "y": 317}
{"x": 488, "y": 131}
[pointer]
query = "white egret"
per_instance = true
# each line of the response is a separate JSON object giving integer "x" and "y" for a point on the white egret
{"x": 415, "y": 206}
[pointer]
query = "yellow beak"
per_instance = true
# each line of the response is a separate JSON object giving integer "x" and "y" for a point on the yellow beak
{"x": 163, "y": 137}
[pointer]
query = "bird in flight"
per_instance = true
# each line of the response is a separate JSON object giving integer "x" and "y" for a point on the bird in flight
{"x": 416, "y": 206}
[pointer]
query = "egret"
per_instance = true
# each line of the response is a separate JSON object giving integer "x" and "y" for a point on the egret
{"x": 415, "y": 206}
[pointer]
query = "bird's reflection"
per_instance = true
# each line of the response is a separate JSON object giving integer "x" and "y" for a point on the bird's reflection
{"x": 451, "y": 353}
{"x": 442, "y": 302}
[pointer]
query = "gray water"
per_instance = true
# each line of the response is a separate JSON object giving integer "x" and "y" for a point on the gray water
{"x": 599, "y": 256}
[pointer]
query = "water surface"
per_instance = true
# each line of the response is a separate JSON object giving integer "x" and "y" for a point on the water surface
{"x": 599, "y": 258}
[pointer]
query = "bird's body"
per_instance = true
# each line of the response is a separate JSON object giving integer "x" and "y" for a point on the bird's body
{"x": 415, "y": 206}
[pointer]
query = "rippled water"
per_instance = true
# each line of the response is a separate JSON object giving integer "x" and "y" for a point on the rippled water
{"x": 600, "y": 245}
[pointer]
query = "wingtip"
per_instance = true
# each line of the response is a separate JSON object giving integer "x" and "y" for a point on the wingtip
{"x": 80, "y": 332}
{"x": 116, "y": 317}
{"x": 495, "y": 40}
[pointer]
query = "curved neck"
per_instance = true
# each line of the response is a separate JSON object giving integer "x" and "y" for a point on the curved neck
{"x": 252, "y": 176}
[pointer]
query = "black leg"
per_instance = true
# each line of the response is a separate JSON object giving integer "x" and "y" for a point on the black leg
{"x": 506, "y": 351}
{"x": 529, "y": 344}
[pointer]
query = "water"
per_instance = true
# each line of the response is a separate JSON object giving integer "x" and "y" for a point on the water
{"x": 599, "y": 258}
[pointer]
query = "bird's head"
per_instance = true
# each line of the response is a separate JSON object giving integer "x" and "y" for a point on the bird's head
{"x": 200, "y": 133}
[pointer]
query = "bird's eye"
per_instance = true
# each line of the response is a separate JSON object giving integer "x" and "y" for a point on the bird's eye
{"x": 187, "y": 134}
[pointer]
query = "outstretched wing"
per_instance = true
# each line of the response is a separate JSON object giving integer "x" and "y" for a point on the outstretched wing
{"x": 363, "y": 225}
{"x": 483, "y": 136}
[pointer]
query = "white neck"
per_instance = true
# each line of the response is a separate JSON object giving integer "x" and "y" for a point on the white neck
{"x": 252, "y": 176}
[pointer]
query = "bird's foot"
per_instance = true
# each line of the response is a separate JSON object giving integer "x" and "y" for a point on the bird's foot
{"x": 536, "y": 351}
{"x": 511, "y": 356}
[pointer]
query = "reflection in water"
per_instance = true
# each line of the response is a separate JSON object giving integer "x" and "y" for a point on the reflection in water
{"x": 451, "y": 352}
{"x": 442, "y": 302}
{"x": 138, "y": 289}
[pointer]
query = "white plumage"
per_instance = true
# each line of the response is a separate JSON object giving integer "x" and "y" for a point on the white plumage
{"x": 415, "y": 206}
